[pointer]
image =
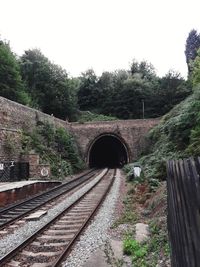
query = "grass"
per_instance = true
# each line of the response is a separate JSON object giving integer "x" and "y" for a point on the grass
{"x": 147, "y": 254}
{"x": 129, "y": 215}
{"x": 136, "y": 250}
{"x": 156, "y": 247}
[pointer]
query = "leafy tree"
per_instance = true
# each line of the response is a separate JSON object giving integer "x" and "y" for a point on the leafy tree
{"x": 121, "y": 93}
{"x": 88, "y": 91}
{"x": 36, "y": 73}
{"x": 196, "y": 70}
{"x": 48, "y": 84}
{"x": 114, "y": 86}
{"x": 144, "y": 69}
{"x": 191, "y": 47}
{"x": 130, "y": 98}
{"x": 172, "y": 90}
{"x": 11, "y": 85}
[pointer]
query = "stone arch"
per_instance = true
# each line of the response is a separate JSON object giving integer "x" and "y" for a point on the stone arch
{"x": 107, "y": 138}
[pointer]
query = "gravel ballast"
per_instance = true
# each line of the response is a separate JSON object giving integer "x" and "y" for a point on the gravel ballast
{"x": 97, "y": 232}
{"x": 22, "y": 233}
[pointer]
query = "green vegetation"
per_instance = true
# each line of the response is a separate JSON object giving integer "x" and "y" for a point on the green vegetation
{"x": 196, "y": 67}
{"x": 136, "y": 250}
{"x": 121, "y": 93}
{"x": 147, "y": 254}
{"x": 55, "y": 146}
{"x": 86, "y": 116}
{"x": 11, "y": 85}
{"x": 177, "y": 136}
{"x": 34, "y": 80}
{"x": 191, "y": 48}
{"x": 49, "y": 86}
{"x": 139, "y": 206}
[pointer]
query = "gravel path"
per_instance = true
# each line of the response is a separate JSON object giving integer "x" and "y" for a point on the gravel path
{"x": 97, "y": 232}
{"x": 14, "y": 239}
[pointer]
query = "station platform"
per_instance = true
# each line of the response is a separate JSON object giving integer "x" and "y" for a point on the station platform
{"x": 11, "y": 192}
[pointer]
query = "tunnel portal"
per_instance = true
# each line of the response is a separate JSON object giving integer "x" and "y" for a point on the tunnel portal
{"x": 108, "y": 151}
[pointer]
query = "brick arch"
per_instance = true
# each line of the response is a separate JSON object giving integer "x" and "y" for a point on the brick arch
{"x": 114, "y": 135}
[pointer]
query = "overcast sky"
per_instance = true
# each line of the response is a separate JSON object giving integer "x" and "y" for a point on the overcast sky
{"x": 102, "y": 34}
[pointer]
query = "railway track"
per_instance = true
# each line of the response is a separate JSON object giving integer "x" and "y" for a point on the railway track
{"x": 48, "y": 246}
{"x": 16, "y": 211}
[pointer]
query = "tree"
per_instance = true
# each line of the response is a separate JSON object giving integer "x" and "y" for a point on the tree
{"x": 127, "y": 95}
{"x": 191, "y": 47}
{"x": 172, "y": 90}
{"x": 36, "y": 73}
{"x": 48, "y": 84}
{"x": 88, "y": 91}
{"x": 11, "y": 85}
{"x": 196, "y": 70}
{"x": 143, "y": 69}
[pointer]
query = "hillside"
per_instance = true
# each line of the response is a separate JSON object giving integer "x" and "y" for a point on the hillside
{"x": 177, "y": 136}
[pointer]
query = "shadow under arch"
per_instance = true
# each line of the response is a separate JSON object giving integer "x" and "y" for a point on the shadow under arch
{"x": 107, "y": 150}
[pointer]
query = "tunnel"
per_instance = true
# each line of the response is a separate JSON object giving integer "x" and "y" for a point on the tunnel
{"x": 108, "y": 151}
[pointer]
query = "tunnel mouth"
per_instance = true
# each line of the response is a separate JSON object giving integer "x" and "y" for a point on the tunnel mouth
{"x": 108, "y": 151}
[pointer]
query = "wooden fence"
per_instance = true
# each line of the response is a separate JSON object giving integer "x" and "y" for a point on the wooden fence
{"x": 183, "y": 186}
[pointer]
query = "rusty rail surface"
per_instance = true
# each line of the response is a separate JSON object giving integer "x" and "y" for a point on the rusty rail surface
{"x": 72, "y": 221}
{"x": 183, "y": 185}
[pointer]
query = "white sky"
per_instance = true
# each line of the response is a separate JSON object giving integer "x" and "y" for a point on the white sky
{"x": 102, "y": 34}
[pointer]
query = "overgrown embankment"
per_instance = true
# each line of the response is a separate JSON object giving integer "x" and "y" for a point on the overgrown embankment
{"x": 55, "y": 146}
{"x": 177, "y": 136}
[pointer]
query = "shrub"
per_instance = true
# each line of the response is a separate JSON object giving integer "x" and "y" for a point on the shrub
{"x": 55, "y": 146}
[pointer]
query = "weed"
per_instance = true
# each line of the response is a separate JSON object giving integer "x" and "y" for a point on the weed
{"x": 136, "y": 250}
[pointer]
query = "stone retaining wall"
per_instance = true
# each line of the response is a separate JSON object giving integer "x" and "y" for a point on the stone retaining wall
{"x": 15, "y": 117}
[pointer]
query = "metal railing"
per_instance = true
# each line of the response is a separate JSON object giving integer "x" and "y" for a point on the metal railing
{"x": 13, "y": 171}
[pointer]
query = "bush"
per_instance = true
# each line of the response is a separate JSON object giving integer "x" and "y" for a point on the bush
{"x": 87, "y": 116}
{"x": 55, "y": 146}
{"x": 176, "y": 136}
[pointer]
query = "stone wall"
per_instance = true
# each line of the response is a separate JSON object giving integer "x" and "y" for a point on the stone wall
{"x": 10, "y": 144}
{"x": 130, "y": 132}
{"x": 36, "y": 169}
{"x": 15, "y": 117}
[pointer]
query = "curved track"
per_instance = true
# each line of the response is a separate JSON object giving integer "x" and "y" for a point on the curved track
{"x": 53, "y": 242}
{"x": 14, "y": 212}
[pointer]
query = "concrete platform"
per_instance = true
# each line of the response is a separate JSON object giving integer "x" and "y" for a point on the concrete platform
{"x": 15, "y": 191}
{"x": 13, "y": 185}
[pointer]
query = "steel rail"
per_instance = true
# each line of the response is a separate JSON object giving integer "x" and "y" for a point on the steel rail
{"x": 54, "y": 194}
{"x": 10, "y": 255}
{"x": 82, "y": 228}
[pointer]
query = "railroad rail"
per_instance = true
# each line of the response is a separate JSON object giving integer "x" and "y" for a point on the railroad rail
{"x": 16, "y": 211}
{"x": 50, "y": 245}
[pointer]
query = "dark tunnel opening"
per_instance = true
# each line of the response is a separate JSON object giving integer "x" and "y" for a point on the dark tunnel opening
{"x": 108, "y": 151}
